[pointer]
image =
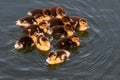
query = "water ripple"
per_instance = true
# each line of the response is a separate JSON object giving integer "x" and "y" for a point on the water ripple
{"x": 93, "y": 59}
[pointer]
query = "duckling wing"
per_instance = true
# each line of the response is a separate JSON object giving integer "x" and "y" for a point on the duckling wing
{"x": 58, "y": 31}
{"x": 64, "y": 44}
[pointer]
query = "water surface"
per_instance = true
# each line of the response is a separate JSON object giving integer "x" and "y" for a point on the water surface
{"x": 97, "y": 58}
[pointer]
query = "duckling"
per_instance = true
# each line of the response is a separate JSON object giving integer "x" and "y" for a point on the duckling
{"x": 55, "y": 22}
{"x": 80, "y": 24}
{"x": 57, "y": 12}
{"x": 68, "y": 42}
{"x": 33, "y": 12}
{"x": 32, "y": 31}
{"x": 42, "y": 43}
{"x": 26, "y": 21}
{"x": 47, "y": 14}
{"x": 23, "y": 42}
{"x": 39, "y": 39}
{"x": 83, "y": 25}
{"x": 60, "y": 12}
{"x": 57, "y": 56}
{"x": 61, "y": 31}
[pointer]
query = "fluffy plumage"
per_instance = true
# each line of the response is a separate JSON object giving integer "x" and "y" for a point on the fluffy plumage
{"x": 57, "y": 56}
{"x": 68, "y": 43}
{"x": 26, "y": 21}
{"x": 23, "y": 42}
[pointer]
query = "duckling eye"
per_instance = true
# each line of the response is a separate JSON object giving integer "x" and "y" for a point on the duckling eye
{"x": 83, "y": 22}
{"x": 25, "y": 21}
{"x": 44, "y": 39}
{"x": 77, "y": 39}
{"x": 54, "y": 55}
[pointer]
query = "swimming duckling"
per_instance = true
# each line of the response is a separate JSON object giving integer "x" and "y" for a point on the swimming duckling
{"x": 60, "y": 12}
{"x": 80, "y": 24}
{"x": 32, "y": 31}
{"x": 39, "y": 39}
{"x": 68, "y": 43}
{"x": 57, "y": 12}
{"x": 58, "y": 56}
{"x": 61, "y": 31}
{"x": 55, "y": 22}
{"x": 23, "y": 42}
{"x": 33, "y": 12}
{"x": 47, "y": 14}
{"x": 26, "y": 21}
{"x": 42, "y": 42}
{"x": 83, "y": 25}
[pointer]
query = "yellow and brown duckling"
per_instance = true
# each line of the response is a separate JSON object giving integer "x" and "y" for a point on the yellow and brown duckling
{"x": 26, "y": 21}
{"x": 42, "y": 42}
{"x": 57, "y": 12}
{"x": 32, "y": 31}
{"x": 80, "y": 24}
{"x": 33, "y": 12}
{"x": 24, "y": 42}
{"x": 57, "y": 56}
{"x": 68, "y": 42}
{"x": 61, "y": 31}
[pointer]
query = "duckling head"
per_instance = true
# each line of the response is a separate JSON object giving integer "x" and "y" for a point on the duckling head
{"x": 33, "y": 12}
{"x": 47, "y": 14}
{"x": 58, "y": 56}
{"x": 43, "y": 43}
{"x": 83, "y": 24}
{"x": 43, "y": 26}
{"x": 75, "y": 39}
{"x": 26, "y": 21}
{"x": 18, "y": 45}
{"x": 66, "y": 19}
{"x": 60, "y": 12}
{"x": 69, "y": 29}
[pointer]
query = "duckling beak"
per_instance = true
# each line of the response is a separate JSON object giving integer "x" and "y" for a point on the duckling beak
{"x": 18, "y": 22}
{"x": 63, "y": 15}
{"x": 78, "y": 43}
{"x": 18, "y": 46}
{"x": 48, "y": 44}
{"x": 29, "y": 13}
{"x": 47, "y": 60}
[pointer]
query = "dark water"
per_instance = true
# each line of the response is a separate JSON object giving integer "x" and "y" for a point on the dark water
{"x": 97, "y": 59}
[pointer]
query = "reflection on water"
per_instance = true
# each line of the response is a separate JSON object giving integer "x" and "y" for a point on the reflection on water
{"x": 96, "y": 58}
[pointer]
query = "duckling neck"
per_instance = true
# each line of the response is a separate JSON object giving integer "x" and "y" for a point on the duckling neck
{"x": 43, "y": 47}
{"x": 59, "y": 16}
{"x": 34, "y": 38}
{"x": 70, "y": 33}
{"x": 83, "y": 28}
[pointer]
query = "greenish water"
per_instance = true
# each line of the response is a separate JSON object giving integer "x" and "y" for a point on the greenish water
{"x": 97, "y": 58}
